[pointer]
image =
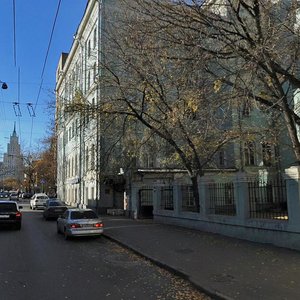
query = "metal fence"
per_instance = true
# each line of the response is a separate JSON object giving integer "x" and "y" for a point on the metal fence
{"x": 268, "y": 200}
{"x": 221, "y": 199}
{"x": 166, "y": 198}
{"x": 188, "y": 200}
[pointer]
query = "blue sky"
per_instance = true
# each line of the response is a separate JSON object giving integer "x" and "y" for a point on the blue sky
{"x": 34, "y": 22}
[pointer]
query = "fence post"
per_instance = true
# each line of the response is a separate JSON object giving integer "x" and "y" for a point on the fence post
{"x": 134, "y": 201}
{"x": 156, "y": 199}
{"x": 203, "y": 195}
{"x": 241, "y": 196}
{"x": 292, "y": 176}
{"x": 177, "y": 199}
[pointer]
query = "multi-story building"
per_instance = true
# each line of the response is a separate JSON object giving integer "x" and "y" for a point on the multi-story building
{"x": 86, "y": 177}
{"x": 12, "y": 166}
{"x": 80, "y": 143}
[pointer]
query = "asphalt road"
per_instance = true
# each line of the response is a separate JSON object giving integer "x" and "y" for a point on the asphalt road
{"x": 37, "y": 263}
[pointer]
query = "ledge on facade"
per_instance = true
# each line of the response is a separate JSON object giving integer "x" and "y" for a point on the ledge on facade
{"x": 153, "y": 170}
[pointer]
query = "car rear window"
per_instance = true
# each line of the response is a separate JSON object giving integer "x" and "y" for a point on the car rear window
{"x": 41, "y": 197}
{"x": 83, "y": 215}
{"x": 6, "y": 207}
{"x": 55, "y": 203}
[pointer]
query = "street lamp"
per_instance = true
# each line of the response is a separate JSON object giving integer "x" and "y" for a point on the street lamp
{"x": 4, "y": 85}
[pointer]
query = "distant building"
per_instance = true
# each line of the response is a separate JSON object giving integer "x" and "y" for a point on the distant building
{"x": 12, "y": 165}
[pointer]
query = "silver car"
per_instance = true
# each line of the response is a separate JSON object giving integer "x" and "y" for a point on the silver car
{"x": 79, "y": 222}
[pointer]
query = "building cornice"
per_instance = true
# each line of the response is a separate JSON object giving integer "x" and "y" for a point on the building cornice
{"x": 77, "y": 37}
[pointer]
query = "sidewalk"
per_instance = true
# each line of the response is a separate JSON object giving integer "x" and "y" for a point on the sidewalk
{"x": 222, "y": 267}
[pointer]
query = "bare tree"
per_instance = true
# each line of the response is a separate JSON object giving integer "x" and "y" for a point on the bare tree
{"x": 148, "y": 80}
{"x": 253, "y": 47}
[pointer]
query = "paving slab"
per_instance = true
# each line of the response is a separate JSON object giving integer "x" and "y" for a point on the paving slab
{"x": 223, "y": 267}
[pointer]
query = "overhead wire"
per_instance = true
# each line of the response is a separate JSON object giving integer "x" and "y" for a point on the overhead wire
{"x": 44, "y": 66}
{"x": 49, "y": 45}
{"x": 14, "y": 27}
{"x": 19, "y": 94}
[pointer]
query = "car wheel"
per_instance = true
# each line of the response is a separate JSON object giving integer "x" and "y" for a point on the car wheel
{"x": 65, "y": 234}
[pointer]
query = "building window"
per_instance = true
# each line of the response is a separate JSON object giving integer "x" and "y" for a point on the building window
{"x": 95, "y": 71}
{"x": 93, "y": 157}
{"x": 249, "y": 152}
{"x": 222, "y": 158}
{"x": 68, "y": 168}
{"x": 73, "y": 129}
{"x": 89, "y": 48}
{"x": 266, "y": 154}
{"x": 76, "y": 164}
{"x": 246, "y": 109}
{"x": 89, "y": 80}
{"x": 76, "y": 127}
{"x": 86, "y": 195}
{"x": 95, "y": 37}
{"x": 70, "y": 133}
{"x": 86, "y": 158}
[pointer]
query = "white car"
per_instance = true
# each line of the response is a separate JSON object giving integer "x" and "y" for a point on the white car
{"x": 79, "y": 222}
{"x": 38, "y": 201}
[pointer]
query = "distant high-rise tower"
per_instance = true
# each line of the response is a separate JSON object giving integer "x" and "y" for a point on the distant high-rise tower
{"x": 12, "y": 166}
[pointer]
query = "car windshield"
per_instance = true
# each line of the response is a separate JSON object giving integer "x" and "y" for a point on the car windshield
{"x": 83, "y": 215}
{"x": 55, "y": 203}
{"x": 6, "y": 207}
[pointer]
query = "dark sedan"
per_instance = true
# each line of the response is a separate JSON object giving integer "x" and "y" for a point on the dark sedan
{"x": 10, "y": 214}
{"x": 54, "y": 209}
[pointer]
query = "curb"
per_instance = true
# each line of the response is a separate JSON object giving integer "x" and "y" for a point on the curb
{"x": 213, "y": 294}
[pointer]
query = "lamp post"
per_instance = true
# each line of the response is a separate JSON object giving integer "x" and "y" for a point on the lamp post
{"x": 4, "y": 85}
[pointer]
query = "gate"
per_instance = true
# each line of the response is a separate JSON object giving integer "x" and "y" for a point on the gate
{"x": 145, "y": 209}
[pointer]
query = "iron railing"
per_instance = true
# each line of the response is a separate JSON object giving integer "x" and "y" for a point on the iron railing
{"x": 221, "y": 199}
{"x": 268, "y": 200}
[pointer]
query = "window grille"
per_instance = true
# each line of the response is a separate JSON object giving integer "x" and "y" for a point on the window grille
{"x": 166, "y": 198}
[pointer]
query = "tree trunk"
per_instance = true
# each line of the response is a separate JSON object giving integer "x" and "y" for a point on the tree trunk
{"x": 196, "y": 192}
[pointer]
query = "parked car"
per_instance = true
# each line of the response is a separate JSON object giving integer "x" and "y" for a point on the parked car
{"x": 10, "y": 214}
{"x": 4, "y": 195}
{"x": 54, "y": 208}
{"x": 26, "y": 195}
{"x": 79, "y": 222}
{"x": 38, "y": 201}
{"x": 13, "y": 195}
